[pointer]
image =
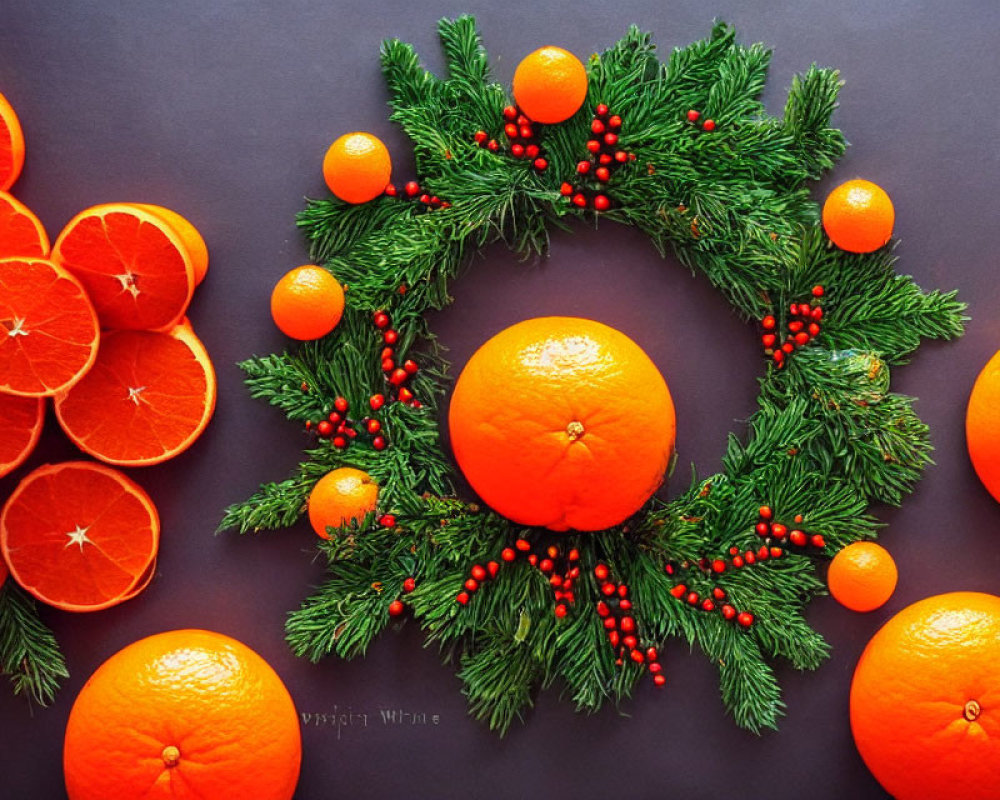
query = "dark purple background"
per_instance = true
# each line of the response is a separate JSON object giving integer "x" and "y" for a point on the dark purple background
{"x": 223, "y": 111}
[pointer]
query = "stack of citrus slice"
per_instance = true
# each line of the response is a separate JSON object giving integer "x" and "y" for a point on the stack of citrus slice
{"x": 97, "y": 322}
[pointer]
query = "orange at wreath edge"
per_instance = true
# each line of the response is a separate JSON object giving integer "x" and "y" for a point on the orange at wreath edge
{"x": 563, "y": 423}
{"x": 982, "y": 426}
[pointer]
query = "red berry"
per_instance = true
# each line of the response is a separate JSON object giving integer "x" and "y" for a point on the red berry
{"x": 509, "y": 113}
{"x": 768, "y": 323}
{"x": 765, "y": 512}
{"x": 583, "y": 167}
{"x": 379, "y": 443}
{"x": 813, "y": 329}
{"x": 388, "y": 521}
{"x": 373, "y": 426}
{"x": 425, "y": 199}
{"x": 601, "y": 203}
{"x": 637, "y": 656}
{"x": 817, "y": 541}
{"x": 391, "y": 190}
{"x": 615, "y": 122}
{"x": 405, "y": 395}
{"x": 611, "y": 139}
{"x": 749, "y": 556}
{"x": 390, "y": 336}
{"x": 802, "y": 338}
{"x": 507, "y": 554}
{"x": 324, "y": 428}
{"x": 608, "y": 589}
{"x": 409, "y": 585}
{"x": 478, "y": 572}
{"x": 339, "y": 442}
{"x": 511, "y": 130}
{"x": 574, "y": 555}
{"x": 597, "y": 126}
{"x": 762, "y": 528}
{"x": 605, "y": 158}
{"x": 601, "y": 110}
{"x": 805, "y": 310}
{"x": 601, "y": 572}
{"x": 594, "y": 146}
{"x": 531, "y": 151}
{"x": 655, "y": 667}
{"x": 659, "y": 680}
{"x": 546, "y": 565}
{"x": 630, "y": 642}
{"x": 779, "y": 530}
{"x": 693, "y": 115}
{"x": 651, "y": 653}
{"x": 817, "y": 313}
{"x": 763, "y": 554}
{"x": 523, "y": 120}
{"x": 788, "y": 347}
{"x": 471, "y": 585}
{"x": 388, "y": 365}
{"x": 718, "y": 593}
{"x": 798, "y": 538}
{"x": 411, "y": 366}
{"x": 728, "y": 611}
{"x": 376, "y": 401}
{"x": 381, "y": 319}
{"x": 734, "y": 551}
{"x": 799, "y": 518}
{"x": 602, "y": 609}
{"x": 602, "y": 173}
{"x": 340, "y": 404}
{"x": 541, "y": 164}
{"x": 523, "y": 545}
{"x": 779, "y": 357}
{"x": 610, "y": 623}
{"x": 492, "y": 145}
{"x": 552, "y": 551}
{"x": 707, "y": 605}
{"x": 399, "y": 376}
{"x": 579, "y": 200}
{"x": 412, "y": 188}
{"x": 745, "y": 619}
{"x": 777, "y": 552}
{"x": 718, "y": 565}
{"x": 517, "y": 150}
{"x": 737, "y": 561}
{"x": 623, "y": 590}
{"x": 566, "y": 189}
{"x": 395, "y": 608}
{"x": 621, "y": 156}
{"x": 679, "y": 590}
{"x": 795, "y": 325}
{"x": 709, "y": 125}
{"x": 493, "y": 568}
{"x": 628, "y": 624}
{"x": 525, "y": 131}
{"x": 625, "y": 604}
{"x": 614, "y": 637}
{"x": 768, "y": 340}
{"x": 560, "y": 611}
{"x": 817, "y": 291}
{"x": 462, "y": 598}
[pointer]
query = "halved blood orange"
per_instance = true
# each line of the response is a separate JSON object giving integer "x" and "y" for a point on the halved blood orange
{"x": 21, "y": 232}
{"x": 146, "y": 399}
{"x": 21, "y": 420}
{"x": 48, "y": 328}
{"x": 133, "y": 264}
{"x": 196, "y": 247}
{"x": 79, "y": 536}
{"x": 11, "y": 145}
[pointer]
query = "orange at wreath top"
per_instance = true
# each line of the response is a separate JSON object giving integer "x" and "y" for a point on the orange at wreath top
{"x": 563, "y": 423}
{"x": 925, "y": 700}
{"x": 183, "y": 715}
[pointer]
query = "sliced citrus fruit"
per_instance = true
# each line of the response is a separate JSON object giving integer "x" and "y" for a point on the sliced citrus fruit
{"x": 133, "y": 264}
{"x": 196, "y": 247}
{"x": 21, "y": 420}
{"x": 21, "y": 232}
{"x": 146, "y": 399}
{"x": 11, "y": 145}
{"x": 79, "y": 536}
{"x": 48, "y": 328}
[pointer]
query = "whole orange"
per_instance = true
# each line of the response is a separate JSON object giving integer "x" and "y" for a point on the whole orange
{"x": 357, "y": 167}
{"x": 307, "y": 303}
{"x": 184, "y": 714}
{"x": 858, "y": 216}
{"x": 563, "y": 423}
{"x": 862, "y": 576}
{"x": 922, "y": 700}
{"x": 982, "y": 426}
{"x": 550, "y": 84}
{"x": 342, "y": 496}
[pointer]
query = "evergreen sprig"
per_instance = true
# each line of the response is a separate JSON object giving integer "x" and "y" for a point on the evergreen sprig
{"x": 828, "y": 438}
{"x": 29, "y": 653}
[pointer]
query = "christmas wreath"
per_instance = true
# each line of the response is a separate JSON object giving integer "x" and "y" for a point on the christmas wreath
{"x": 684, "y": 151}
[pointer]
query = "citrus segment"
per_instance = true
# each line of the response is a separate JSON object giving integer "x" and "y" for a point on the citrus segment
{"x": 550, "y": 84}
{"x": 563, "y": 423}
{"x": 21, "y": 420}
{"x": 79, "y": 536}
{"x": 858, "y": 216}
{"x": 135, "y": 268}
{"x": 357, "y": 167}
{"x": 340, "y": 497}
{"x": 925, "y": 699}
{"x": 307, "y": 303}
{"x": 184, "y": 714}
{"x": 147, "y": 398}
{"x": 48, "y": 328}
{"x": 193, "y": 241}
{"x": 862, "y": 576}
{"x": 21, "y": 232}
{"x": 11, "y": 145}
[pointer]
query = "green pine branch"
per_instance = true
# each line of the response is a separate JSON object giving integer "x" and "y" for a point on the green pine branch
{"x": 29, "y": 653}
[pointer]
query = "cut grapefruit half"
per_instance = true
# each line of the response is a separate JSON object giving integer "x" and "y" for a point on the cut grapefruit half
{"x": 21, "y": 232}
{"x": 11, "y": 145}
{"x": 146, "y": 399}
{"x": 21, "y": 420}
{"x": 48, "y": 329}
{"x": 135, "y": 267}
{"x": 79, "y": 536}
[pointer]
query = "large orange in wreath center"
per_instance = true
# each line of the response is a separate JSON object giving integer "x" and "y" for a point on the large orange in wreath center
{"x": 563, "y": 423}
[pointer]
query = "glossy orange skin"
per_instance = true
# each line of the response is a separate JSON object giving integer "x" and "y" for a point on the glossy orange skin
{"x": 59, "y": 323}
{"x": 183, "y": 715}
{"x": 341, "y": 496}
{"x": 858, "y": 216}
{"x": 982, "y": 426}
{"x": 563, "y": 423}
{"x": 135, "y": 267}
{"x": 357, "y": 167}
{"x": 550, "y": 84}
{"x": 111, "y": 564}
{"x": 862, "y": 576}
{"x": 11, "y": 145}
{"x": 21, "y": 232}
{"x": 22, "y": 420}
{"x": 147, "y": 399}
{"x": 925, "y": 700}
{"x": 307, "y": 303}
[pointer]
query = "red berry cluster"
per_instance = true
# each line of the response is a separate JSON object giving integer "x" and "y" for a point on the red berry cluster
{"x": 605, "y": 157}
{"x": 397, "y": 374}
{"x": 615, "y": 610}
{"x": 396, "y": 607}
{"x": 694, "y": 117}
{"x": 521, "y": 135}
{"x": 413, "y": 191}
{"x": 770, "y": 530}
{"x": 803, "y": 327}
{"x": 716, "y": 599}
{"x": 477, "y": 576}
{"x": 339, "y": 427}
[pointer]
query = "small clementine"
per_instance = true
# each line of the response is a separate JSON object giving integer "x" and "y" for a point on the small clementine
{"x": 340, "y": 497}
{"x": 307, "y": 303}
{"x": 858, "y": 216}
{"x": 923, "y": 700}
{"x": 357, "y": 167}
{"x": 982, "y": 426}
{"x": 563, "y": 423}
{"x": 184, "y": 714}
{"x": 862, "y": 576}
{"x": 550, "y": 84}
